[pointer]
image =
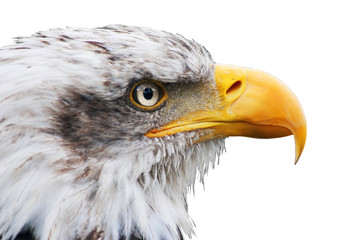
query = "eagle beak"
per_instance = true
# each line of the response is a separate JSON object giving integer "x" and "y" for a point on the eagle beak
{"x": 260, "y": 105}
{"x": 253, "y": 104}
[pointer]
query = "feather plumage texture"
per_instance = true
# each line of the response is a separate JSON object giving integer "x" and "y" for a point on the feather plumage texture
{"x": 74, "y": 161}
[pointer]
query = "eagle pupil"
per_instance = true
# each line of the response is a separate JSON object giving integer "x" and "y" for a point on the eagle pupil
{"x": 148, "y": 93}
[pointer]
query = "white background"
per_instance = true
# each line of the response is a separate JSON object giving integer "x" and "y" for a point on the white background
{"x": 314, "y": 47}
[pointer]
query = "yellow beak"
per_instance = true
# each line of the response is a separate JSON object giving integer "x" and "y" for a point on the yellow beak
{"x": 253, "y": 104}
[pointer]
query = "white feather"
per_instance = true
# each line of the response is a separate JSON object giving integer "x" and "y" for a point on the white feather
{"x": 39, "y": 175}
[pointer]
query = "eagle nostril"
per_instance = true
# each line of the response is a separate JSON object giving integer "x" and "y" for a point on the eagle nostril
{"x": 236, "y": 85}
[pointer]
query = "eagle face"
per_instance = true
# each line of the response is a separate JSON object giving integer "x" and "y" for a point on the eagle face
{"x": 104, "y": 131}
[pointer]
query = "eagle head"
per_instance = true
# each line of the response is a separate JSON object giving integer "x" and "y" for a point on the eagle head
{"x": 104, "y": 131}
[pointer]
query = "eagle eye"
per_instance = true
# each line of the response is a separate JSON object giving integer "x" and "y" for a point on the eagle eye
{"x": 147, "y": 95}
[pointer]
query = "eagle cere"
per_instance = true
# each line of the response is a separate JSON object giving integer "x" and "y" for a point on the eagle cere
{"x": 104, "y": 131}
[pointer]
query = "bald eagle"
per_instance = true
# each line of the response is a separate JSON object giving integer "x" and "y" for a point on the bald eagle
{"x": 103, "y": 132}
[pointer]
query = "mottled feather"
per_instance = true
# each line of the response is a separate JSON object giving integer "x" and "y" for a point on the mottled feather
{"x": 75, "y": 163}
